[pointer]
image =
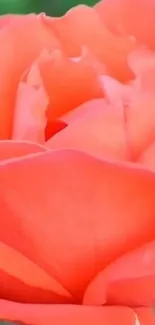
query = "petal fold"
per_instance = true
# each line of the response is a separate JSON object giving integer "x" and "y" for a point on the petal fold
{"x": 121, "y": 284}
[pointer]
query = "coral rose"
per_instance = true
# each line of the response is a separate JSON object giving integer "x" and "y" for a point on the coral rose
{"x": 77, "y": 163}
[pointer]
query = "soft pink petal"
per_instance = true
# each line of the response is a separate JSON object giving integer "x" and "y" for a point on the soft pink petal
{"x": 30, "y": 120}
{"x": 96, "y": 128}
{"x": 12, "y": 149}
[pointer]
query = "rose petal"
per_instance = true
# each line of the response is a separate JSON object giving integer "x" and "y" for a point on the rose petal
{"x": 122, "y": 284}
{"x": 96, "y": 128}
{"x": 140, "y": 113}
{"x": 20, "y": 267}
{"x": 94, "y": 107}
{"x": 66, "y": 315}
{"x": 146, "y": 316}
{"x": 142, "y": 63}
{"x": 147, "y": 158}
{"x": 22, "y": 40}
{"x": 13, "y": 149}
{"x": 115, "y": 92}
{"x": 81, "y": 26}
{"x": 14, "y": 289}
{"x": 120, "y": 16}
{"x": 6, "y": 19}
{"x": 110, "y": 207}
{"x": 29, "y": 120}
{"x": 53, "y": 127}
{"x": 68, "y": 83}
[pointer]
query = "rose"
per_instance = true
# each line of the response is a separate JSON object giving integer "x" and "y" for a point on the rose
{"x": 77, "y": 222}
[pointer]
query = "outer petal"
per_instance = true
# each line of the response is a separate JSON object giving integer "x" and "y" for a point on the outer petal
{"x": 96, "y": 128}
{"x": 12, "y": 149}
{"x": 14, "y": 280}
{"x": 120, "y": 16}
{"x": 122, "y": 284}
{"x": 81, "y": 26}
{"x": 79, "y": 213}
{"x": 20, "y": 46}
{"x": 66, "y": 315}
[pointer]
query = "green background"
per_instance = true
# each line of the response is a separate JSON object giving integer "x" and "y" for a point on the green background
{"x": 51, "y": 7}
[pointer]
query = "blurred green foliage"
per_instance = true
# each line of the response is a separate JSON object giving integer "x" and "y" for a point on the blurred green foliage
{"x": 3, "y": 322}
{"x": 51, "y": 7}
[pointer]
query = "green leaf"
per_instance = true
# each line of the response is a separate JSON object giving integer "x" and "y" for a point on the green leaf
{"x": 51, "y": 7}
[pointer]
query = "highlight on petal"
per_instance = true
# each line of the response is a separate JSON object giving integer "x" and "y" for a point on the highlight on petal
{"x": 68, "y": 83}
{"x": 128, "y": 281}
{"x": 29, "y": 120}
{"x": 12, "y": 149}
{"x": 20, "y": 47}
{"x": 66, "y": 314}
{"x": 113, "y": 207}
{"x": 82, "y": 26}
{"x": 96, "y": 128}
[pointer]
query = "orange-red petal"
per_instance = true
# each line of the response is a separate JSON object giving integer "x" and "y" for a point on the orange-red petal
{"x": 122, "y": 284}
{"x": 14, "y": 289}
{"x": 68, "y": 83}
{"x": 17, "y": 265}
{"x": 78, "y": 215}
{"x": 66, "y": 314}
